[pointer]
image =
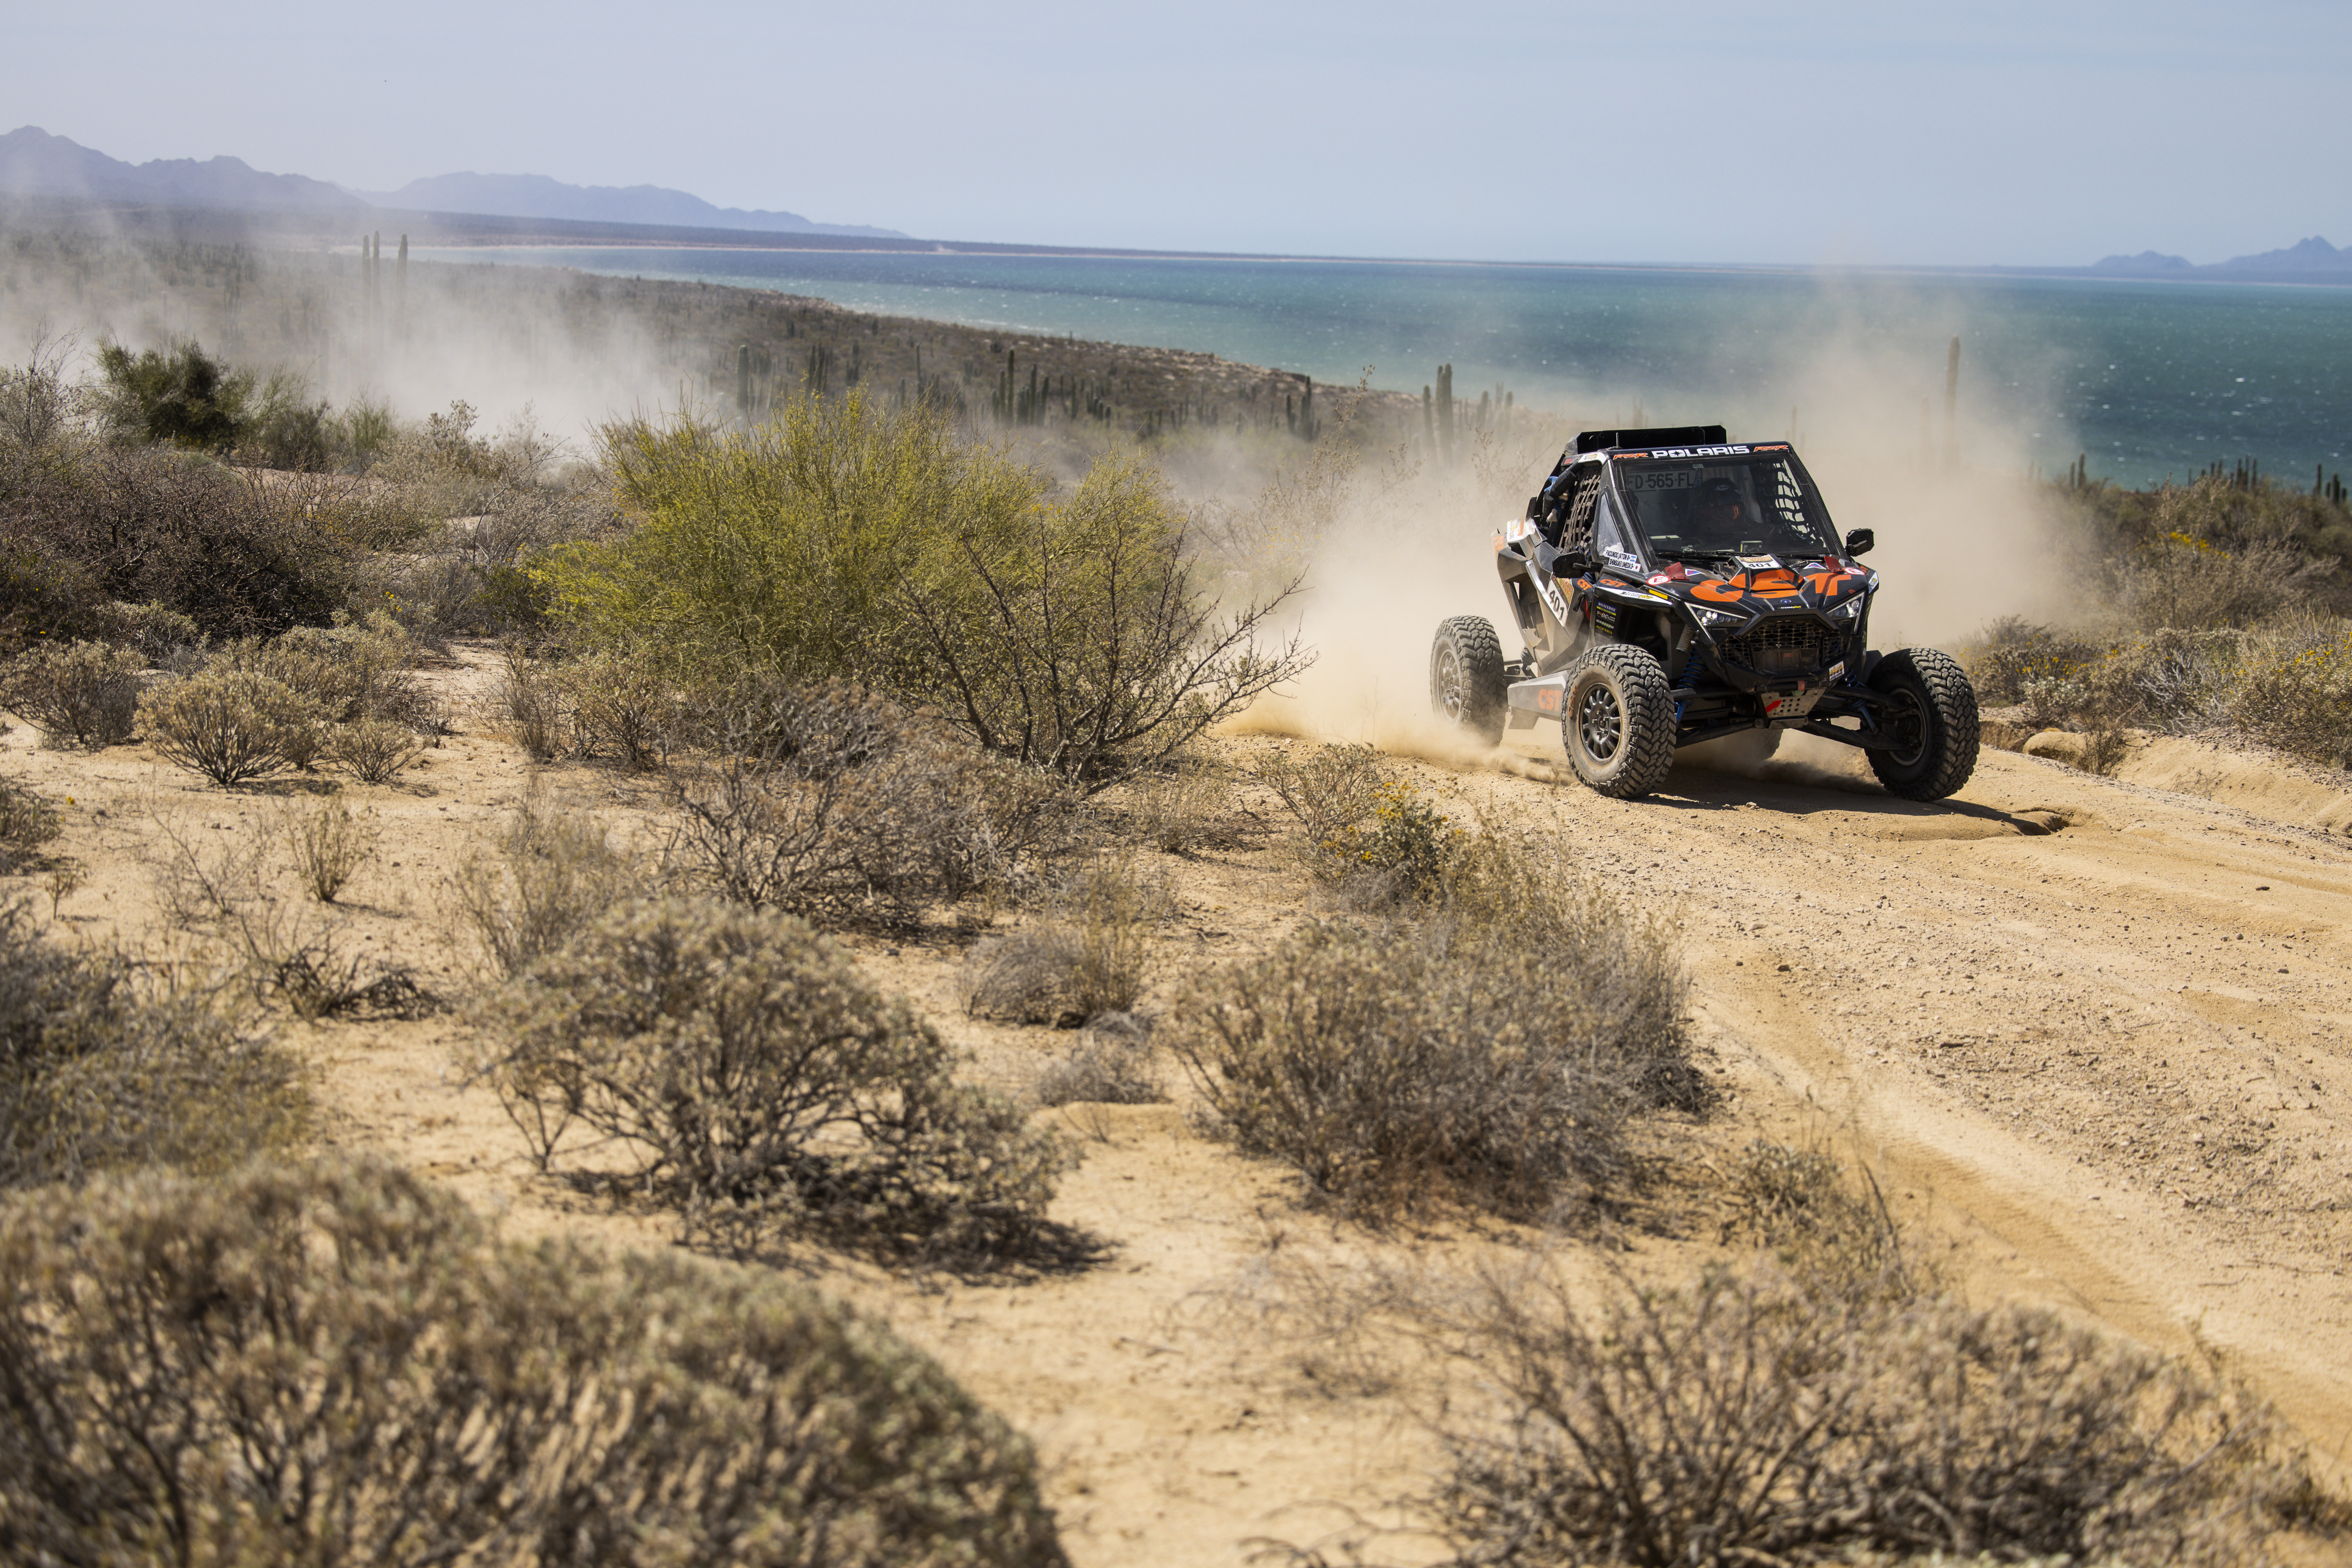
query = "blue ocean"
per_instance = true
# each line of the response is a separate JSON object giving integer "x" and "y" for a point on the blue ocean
{"x": 2143, "y": 378}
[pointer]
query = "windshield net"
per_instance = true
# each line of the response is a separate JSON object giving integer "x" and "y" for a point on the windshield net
{"x": 1727, "y": 507}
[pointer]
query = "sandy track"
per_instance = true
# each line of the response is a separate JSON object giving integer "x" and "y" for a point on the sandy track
{"x": 2107, "y": 1026}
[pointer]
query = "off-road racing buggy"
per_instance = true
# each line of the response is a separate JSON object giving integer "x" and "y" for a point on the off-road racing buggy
{"x": 1671, "y": 586}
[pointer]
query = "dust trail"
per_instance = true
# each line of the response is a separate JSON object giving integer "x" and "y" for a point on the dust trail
{"x": 1959, "y": 538}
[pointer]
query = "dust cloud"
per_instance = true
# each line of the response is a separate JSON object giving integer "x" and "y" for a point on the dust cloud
{"x": 1960, "y": 539}
{"x": 569, "y": 349}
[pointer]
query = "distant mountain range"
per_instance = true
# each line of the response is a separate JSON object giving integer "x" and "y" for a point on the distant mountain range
{"x": 34, "y": 163}
{"x": 2312, "y": 260}
{"x": 536, "y": 195}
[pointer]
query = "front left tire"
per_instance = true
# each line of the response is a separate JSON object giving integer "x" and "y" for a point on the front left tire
{"x": 1930, "y": 711}
{"x": 1618, "y": 722}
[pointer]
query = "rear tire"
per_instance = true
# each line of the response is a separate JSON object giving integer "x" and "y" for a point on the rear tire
{"x": 1931, "y": 709}
{"x": 1618, "y": 722}
{"x": 1466, "y": 686}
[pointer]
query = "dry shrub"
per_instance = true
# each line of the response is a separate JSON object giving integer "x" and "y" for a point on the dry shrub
{"x": 553, "y": 871}
{"x": 621, "y": 707}
{"x": 1112, "y": 1063}
{"x": 77, "y": 694}
{"x": 1826, "y": 1226}
{"x": 1333, "y": 790}
{"x": 374, "y": 751}
{"x": 240, "y": 554}
{"x": 157, "y": 634}
{"x": 833, "y": 804}
{"x": 2166, "y": 679}
{"x": 528, "y": 706}
{"x": 329, "y": 844}
{"x": 1181, "y": 806}
{"x": 740, "y": 1069}
{"x": 283, "y": 954}
{"x": 1747, "y": 1418}
{"x": 102, "y": 1065}
{"x": 229, "y": 724}
{"x": 2180, "y": 580}
{"x": 2294, "y": 688}
{"x": 350, "y": 670}
{"x": 337, "y": 1364}
{"x": 1092, "y": 957}
{"x": 1491, "y": 1052}
{"x": 27, "y": 821}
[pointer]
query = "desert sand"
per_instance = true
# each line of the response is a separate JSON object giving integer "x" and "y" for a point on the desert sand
{"x": 2091, "y": 1033}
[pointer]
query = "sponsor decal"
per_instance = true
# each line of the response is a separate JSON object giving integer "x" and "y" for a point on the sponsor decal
{"x": 1657, "y": 577}
{"x": 1550, "y": 592}
{"x": 1624, "y": 561}
{"x": 1759, "y": 563}
{"x": 1692, "y": 452}
{"x": 1547, "y": 699}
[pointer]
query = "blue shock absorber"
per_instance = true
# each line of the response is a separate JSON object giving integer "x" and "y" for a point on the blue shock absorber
{"x": 1691, "y": 665}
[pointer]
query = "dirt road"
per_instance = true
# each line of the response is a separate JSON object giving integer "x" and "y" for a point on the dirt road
{"x": 2107, "y": 1026}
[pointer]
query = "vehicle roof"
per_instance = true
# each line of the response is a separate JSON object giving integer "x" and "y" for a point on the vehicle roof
{"x": 1663, "y": 436}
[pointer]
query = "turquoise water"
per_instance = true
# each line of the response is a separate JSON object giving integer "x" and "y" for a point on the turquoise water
{"x": 2146, "y": 378}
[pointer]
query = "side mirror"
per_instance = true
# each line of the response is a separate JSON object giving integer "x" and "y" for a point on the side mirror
{"x": 1571, "y": 562}
{"x": 1859, "y": 541}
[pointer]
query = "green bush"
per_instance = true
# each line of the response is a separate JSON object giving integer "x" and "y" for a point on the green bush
{"x": 742, "y": 1071}
{"x": 337, "y": 1364}
{"x": 1083, "y": 641}
{"x": 783, "y": 546}
{"x": 100, "y": 1070}
{"x": 79, "y": 694}
{"x": 1491, "y": 1051}
{"x": 846, "y": 541}
{"x": 181, "y": 397}
{"x": 229, "y": 724}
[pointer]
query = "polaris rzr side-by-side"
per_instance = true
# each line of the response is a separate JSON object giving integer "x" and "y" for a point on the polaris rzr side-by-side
{"x": 1671, "y": 586}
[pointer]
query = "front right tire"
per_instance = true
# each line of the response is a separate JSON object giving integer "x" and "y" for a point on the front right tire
{"x": 1466, "y": 685}
{"x": 1618, "y": 722}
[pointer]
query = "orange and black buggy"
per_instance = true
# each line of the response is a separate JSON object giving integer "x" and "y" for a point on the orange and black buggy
{"x": 1671, "y": 586}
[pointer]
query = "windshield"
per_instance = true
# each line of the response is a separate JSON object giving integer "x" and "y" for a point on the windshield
{"x": 1758, "y": 504}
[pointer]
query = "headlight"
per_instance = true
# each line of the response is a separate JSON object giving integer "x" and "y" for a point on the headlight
{"x": 1715, "y": 617}
{"x": 1851, "y": 609}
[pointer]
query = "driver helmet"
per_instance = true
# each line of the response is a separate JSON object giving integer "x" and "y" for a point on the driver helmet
{"x": 1719, "y": 502}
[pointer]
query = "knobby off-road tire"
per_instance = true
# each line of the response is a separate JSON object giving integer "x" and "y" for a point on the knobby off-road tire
{"x": 1466, "y": 687}
{"x": 1932, "y": 711}
{"x": 1617, "y": 723}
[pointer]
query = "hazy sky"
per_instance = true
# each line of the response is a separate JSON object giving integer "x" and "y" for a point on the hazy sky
{"x": 1804, "y": 131}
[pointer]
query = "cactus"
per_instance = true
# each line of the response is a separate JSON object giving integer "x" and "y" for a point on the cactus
{"x": 1952, "y": 402}
{"x": 1445, "y": 413}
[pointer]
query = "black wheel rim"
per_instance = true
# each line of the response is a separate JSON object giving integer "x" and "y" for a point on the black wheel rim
{"x": 1906, "y": 721}
{"x": 1600, "y": 723}
{"x": 1453, "y": 691}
